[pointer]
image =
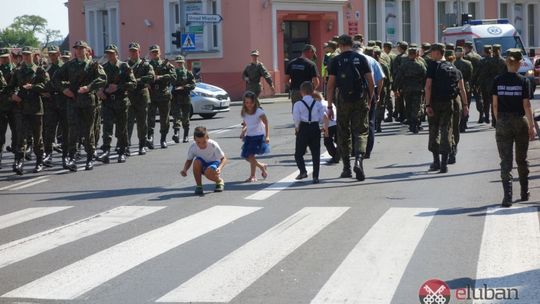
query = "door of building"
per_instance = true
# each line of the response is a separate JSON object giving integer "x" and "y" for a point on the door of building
{"x": 295, "y": 36}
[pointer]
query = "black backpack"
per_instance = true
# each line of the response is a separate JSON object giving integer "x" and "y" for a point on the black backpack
{"x": 351, "y": 83}
{"x": 445, "y": 85}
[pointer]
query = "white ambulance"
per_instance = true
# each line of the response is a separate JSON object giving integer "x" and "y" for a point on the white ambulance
{"x": 491, "y": 31}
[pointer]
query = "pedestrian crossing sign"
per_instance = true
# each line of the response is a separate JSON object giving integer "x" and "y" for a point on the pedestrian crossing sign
{"x": 188, "y": 41}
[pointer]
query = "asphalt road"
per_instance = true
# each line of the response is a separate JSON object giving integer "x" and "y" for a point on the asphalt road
{"x": 135, "y": 233}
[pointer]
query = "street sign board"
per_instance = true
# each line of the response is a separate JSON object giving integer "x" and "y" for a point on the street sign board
{"x": 188, "y": 41}
{"x": 204, "y": 18}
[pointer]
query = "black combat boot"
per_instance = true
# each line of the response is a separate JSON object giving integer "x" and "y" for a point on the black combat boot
{"x": 28, "y": 154}
{"x": 436, "y": 164}
{"x": 47, "y": 161}
{"x": 444, "y": 163}
{"x": 19, "y": 163}
{"x": 39, "y": 164}
{"x": 142, "y": 149}
{"x": 71, "y": 164}
{"x": 65, "y": 161}
{"x": 163, "y": 141}
{"x": 176, "y": 135}
{"x": 359, "y": 169}
{"x": 480, "y": 118}
{"x": 525, "y": 194}
{"x": 105, "y": 156}
{"x": 89, "y": 162}
{"x": 346, "y": 168}
{"x": 150, "y": 142}
{"x": 507, "y": 188}
{"x": 121, "y": 156}
{"x": 388, "y": 119}
{"x": 452, "y": 156}
{"x": 486, "y": 118}
{"x": 186, "y": 134}
{"x": 127, "y": 151}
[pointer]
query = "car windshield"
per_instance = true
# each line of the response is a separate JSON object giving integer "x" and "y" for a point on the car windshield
{"x": 506, "y": 43}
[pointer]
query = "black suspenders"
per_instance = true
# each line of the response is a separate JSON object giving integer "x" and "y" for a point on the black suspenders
{"x": 310, "y": 109}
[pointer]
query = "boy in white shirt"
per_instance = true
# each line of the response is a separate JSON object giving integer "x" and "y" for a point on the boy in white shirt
{"x": 208, "y": 159}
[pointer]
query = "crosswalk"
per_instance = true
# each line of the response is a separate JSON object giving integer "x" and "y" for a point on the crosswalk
{"x": 370, "y": 273}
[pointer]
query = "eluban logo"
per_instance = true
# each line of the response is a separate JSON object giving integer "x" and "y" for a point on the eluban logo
{"x": 434, "y": 292}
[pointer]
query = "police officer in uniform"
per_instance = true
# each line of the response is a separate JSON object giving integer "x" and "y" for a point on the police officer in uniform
{"x": 181, "y": 104}
{"x": 26, "y": 85}
{"x": 139, "y": 98}
{"x": 160, "y": 96}
{"x": 467, "y": 70}
{"x": 474, "y": 58}
{"x": 115, "y": 103}
{"x": 409, "y": 85}
{"x": 7, "y": 107}
{"x": 352, "y": 116}
{"x": 79, "y": 80}
{"x": 252, "y": 75}
{"x": 439, "y": 107}
{"x": 55, "y": 111}
{"x": 515, "y": 124}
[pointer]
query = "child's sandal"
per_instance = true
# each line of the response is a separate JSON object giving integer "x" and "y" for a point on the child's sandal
{"x": 251, "y": 179}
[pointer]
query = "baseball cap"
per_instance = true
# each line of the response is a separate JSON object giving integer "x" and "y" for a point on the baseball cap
{"x": 496, "y": 46}
{"x": 515, "y": 54}
{"x": 179, "y": 58}
{"x": 26, "y": 50}
{"x": 468, "y": 43}
{"x": 4, "y": 52}
{"x": 255, "y": 53}
{"x": 53, "y": 49}
{"x": 80, "y": 43}
{"x": 387, "y": 44}
{"x": 66, "y": 54}
{"x": 449, "y": 53}
{"x": 437, "y": 47}
{"x": 134, "y": 46}
{"x": 111, "y": 48}
{"x": 426, "y": 46}
{"x": 459, "y": 49}
{"x": 153, "y": 48}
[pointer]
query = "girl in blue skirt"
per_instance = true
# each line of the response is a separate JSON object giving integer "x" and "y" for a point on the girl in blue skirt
{"x": 254, "y": 134}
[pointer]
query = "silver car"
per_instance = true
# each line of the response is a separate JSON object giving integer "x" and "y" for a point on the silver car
{"x": 208, "y": 100}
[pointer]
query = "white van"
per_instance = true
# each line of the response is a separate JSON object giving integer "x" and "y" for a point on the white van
{"x": 491, "y": 31}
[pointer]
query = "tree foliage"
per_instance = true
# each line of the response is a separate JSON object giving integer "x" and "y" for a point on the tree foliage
{"x": 23, "y": 30}
{"x": 10, "y": 37}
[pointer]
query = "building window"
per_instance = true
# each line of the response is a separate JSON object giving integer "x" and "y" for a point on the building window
{"x": 441, "y": 15}
{"x": 531, "y": 20}
{"x": 503, "y": 10}
{"x": 471, "y": 9}
{"x": 101, "y": 25}
{"x": 372, "y": 20}
{"x": 406, "y": 19}
{"x": 518, "y": 18}
{"x": 207, "y": 35}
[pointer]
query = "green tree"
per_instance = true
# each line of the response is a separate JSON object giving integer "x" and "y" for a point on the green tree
{"x": 10, "y": 37}
{"x": 51, "y": 35}
{"x": 23, "y": 30}
{"x": 30, "y": 23}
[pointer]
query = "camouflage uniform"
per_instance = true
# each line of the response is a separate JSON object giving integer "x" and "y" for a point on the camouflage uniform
{"x": 29, "y": 121}
{"x": 410, "y": 83}
{"x": 484, "y": 78}
{"x": 7, "y": 107}
{"x": 160, "y": 96}
{"x": 385, "y": 97}
{"x": 252, "y": 75}
{"x": 181, "y": 104}
{"x": 474, "y": 58}
{"x": 115, "y": 107}
{"x": 139, "y": 100}
{"x": 467, "y": 71}
{"x": 82, "y": 108}
{"x": 399, "y": 109}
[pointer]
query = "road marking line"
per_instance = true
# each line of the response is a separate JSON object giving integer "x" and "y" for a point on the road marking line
{"x": 510, "y": 253}
{"x": 228, "y": 277}
{"x": 74, "y": 280}
{"x": 372, "y": 270}
{"x": 226, "y": 129}
{"x": 23, "y": 183}
{"x": 283, "y": 183}
{"x": 24, "y": 248}
{"x": 28, "y": 214}
{"x": 31, "y": 184}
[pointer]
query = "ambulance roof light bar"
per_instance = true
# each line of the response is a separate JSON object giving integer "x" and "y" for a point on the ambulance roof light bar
{"x": 489, "y": 21}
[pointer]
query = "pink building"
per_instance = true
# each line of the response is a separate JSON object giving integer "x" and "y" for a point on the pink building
{"x": 278, "y": 28}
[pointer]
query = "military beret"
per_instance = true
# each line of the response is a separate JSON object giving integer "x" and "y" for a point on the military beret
{"x": 81, "y": 44}
{"x": 437, "y": 47}
{"x": 459, "y": 49}
{"x": 487, "y": 47}
{"x": 426, "y": 46}
{"x": 111, "y": 48}
{"x": 134, "y": 46}
{"x": 496, "y": 46}
{"x": 4, "y": 52}
{"x": 388, "y": 44}
{"x": 179, "y": 58}
{"x": 468, "y": 43}
{"x": 153, "y": 48}
{"x": 450, "y": 46}
{"x": 345, "y": 40}
{"x": 449, "y": 53}
{"x": 66, "y": 54}
{"x": 514, "y": 54}
{"x": 255, "y": 53}
{"x": 26, "y": 50}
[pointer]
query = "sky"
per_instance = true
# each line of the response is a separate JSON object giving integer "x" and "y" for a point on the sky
{"x": 54, "y": 11}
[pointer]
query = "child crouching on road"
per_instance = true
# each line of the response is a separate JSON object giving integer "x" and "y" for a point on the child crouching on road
{"x": 207, "y": 158}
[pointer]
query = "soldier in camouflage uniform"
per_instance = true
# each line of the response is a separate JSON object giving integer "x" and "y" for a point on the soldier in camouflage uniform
{"x": 386, "y": 89}
{"x": 498, "y": 67}
{"x": 139, "y": 97}
{"x": 388, "y": 104}
{"x": 474, "y": 58}
{"x": 7, "y": 114}
{"x": 79, "y": 79}
{"x": 55, "y": 111}
{"x": 467, "y": 70}
{"x": 181, "y": 104}
{"x": 457, "y": 111}
{"x": 399, "y": 110}
{"x": 485, "y": 81}
{"x": 409, "y": 86}
{"x": 26, "y": 85}
{"x": 160, "y": 96}
{"x": 252, "y": 75}
{"x": 115, "y": 103}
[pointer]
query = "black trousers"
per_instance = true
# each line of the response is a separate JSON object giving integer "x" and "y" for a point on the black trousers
{"x": 309, "y": 135}
{"x": 330, "y": 143}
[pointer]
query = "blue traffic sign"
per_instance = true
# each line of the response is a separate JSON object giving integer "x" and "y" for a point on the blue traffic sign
{"x": 188, "y": 41}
